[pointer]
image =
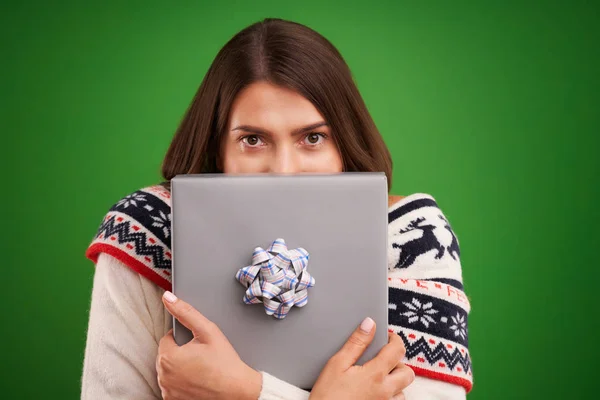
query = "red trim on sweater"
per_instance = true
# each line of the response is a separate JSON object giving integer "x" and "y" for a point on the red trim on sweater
{"x": 468, "y": 385}
{"x": 93, "y": 252}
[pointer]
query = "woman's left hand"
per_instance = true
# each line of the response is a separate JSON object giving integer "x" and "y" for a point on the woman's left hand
{"x": 207, "y": 367}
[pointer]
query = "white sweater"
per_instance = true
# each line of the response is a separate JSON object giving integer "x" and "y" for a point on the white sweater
{"x": 127, "y": 320}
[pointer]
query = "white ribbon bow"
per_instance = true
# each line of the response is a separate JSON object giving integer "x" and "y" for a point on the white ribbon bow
{"x": 277, "y": 278}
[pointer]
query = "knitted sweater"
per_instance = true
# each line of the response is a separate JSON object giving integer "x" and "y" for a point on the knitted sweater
{"x": 131, "y": 250}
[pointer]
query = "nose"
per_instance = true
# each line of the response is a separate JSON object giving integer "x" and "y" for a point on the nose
{"x": 285, "y": 161}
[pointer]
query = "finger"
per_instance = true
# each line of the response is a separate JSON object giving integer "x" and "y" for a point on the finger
{"x": 400, "y": 378}
{"x": 389, "y": 356}
{"x": 167, "y": 342}
{"x": 202, "y": 328}
{"x": 399, "y": 396}
{"x": 165, "y": 346}
{"x": 356, "y": 344}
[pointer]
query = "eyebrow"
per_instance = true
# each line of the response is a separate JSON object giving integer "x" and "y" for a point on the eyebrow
{"x": 295, "y": 132}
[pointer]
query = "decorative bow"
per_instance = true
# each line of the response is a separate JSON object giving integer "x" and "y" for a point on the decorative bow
{"x": 277, "y": 278}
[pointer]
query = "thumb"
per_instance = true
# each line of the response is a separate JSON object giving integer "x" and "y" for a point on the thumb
{"x": 202, "y": 328}
{"x": 356, "y": 344}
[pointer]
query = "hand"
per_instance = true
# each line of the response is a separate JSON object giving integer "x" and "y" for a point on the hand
{"x": 207, "y": 367}
{"x": 383, "y": 377}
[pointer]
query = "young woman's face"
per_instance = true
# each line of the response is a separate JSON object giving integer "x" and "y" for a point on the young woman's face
{"x": 275, "y": 130}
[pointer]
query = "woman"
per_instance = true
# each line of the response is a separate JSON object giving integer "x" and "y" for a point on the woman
{"x": 278, "y": 98}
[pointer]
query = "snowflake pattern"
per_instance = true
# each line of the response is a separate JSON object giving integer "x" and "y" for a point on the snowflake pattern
{"x": 459, "y": 326}
{"x": 419, "y": 312}
{"x": 131, "y": 200}
{"x": 162, "y": 221}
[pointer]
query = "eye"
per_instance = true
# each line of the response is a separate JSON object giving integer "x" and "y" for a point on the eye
{"x": 252, "y": 141}
{"x": 314, "y": 138}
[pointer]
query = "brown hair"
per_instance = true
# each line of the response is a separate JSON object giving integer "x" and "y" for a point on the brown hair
{"x": 286, "y": 54}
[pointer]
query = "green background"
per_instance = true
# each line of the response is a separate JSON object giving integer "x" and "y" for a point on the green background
{"x": 492, "y": 107}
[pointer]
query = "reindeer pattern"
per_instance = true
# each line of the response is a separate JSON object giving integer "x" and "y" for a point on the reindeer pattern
{"x": 422, "y": 236}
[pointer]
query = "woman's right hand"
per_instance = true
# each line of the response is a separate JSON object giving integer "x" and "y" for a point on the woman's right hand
{"x": 384, "y": 377}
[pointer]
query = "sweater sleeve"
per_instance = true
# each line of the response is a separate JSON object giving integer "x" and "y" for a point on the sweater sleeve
{"x": 428, "y": 306}
{"x": 276, "y": 389}
{"x": 126, "y": 321}
{"x": 422, "y": 388}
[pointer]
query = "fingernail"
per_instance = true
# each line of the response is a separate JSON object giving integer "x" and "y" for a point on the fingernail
{"x": 170, "y": 297}
{"x": 367, "y": 325}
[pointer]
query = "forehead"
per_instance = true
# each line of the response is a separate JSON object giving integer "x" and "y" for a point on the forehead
{"x": 272, "y": 107}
